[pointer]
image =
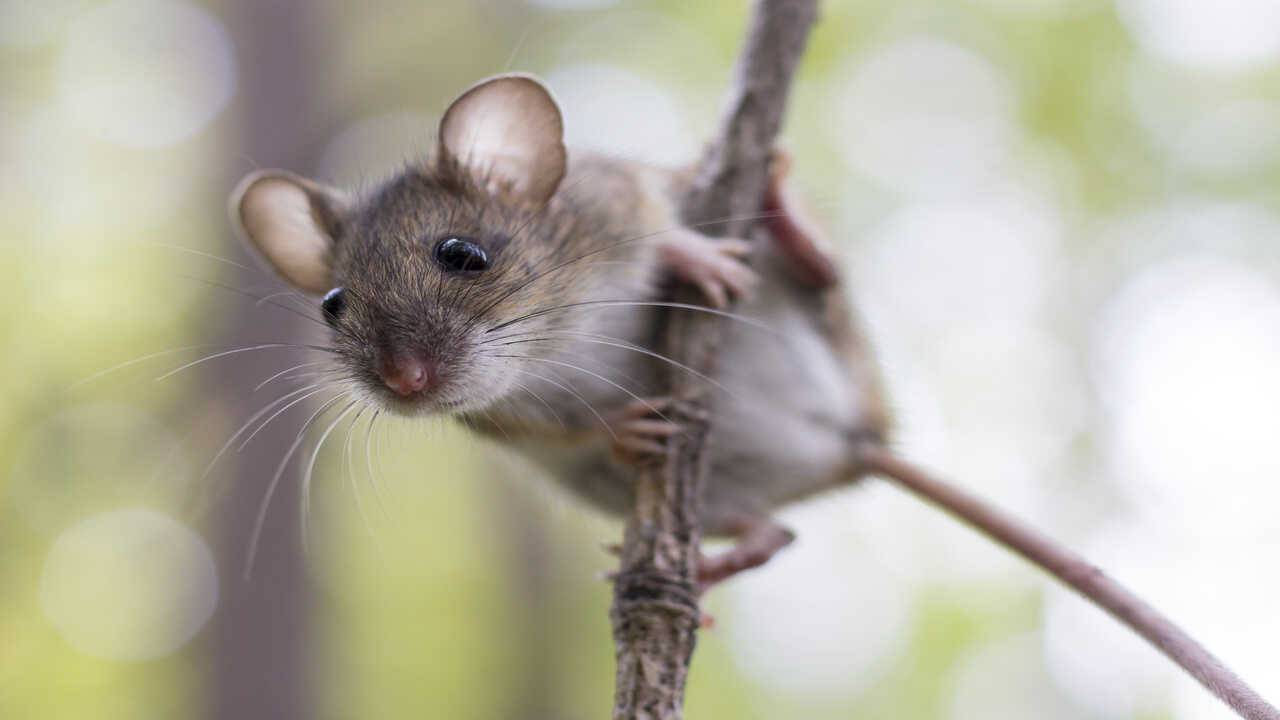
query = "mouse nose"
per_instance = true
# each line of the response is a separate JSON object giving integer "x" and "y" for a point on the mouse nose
{"x": 407, "y": 375}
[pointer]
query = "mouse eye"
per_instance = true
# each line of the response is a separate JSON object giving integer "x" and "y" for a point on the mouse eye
{"x": 334, "y": 304}
{"x": 457, "y": 254}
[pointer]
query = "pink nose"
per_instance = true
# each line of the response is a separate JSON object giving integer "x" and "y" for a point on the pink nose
{"x": 408, "y": 375}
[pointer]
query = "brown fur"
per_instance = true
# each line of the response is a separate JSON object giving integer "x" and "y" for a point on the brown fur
{"x": 544, "y": 349}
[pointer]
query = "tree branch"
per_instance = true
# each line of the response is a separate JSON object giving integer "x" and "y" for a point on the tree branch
{"x": 655, "y": 605}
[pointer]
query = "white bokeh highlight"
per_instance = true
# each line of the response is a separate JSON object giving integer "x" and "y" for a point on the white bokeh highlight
{"x": 71, "y": 180}
{"x": 956, "y": 293}
{"x": 1100, "y": 664}
{"x": 1219, "y": 35}
{"x": 611, "y": 110}
{"x": 573, "y": 4}
{"x": 128, "y": 585}
{"x": 145, "y": 73}
{"x": 28, "y": 24}
{"x": 1184, "y": 357}
{"x": 1005, "y": 680}
{"x": 825, "y": 616}
{"x": 1201, "y": 123}
{"x": 924, "y": 116}
{"x": 1046, "y": 9}
{"x": 88, "y": 456}
{"x": 375, "y": 147}
{"x": 1196, "y": 579}
{"x": 1187, "y": 358}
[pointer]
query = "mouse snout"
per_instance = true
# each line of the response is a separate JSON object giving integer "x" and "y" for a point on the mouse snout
{"x": 407, "y": 375}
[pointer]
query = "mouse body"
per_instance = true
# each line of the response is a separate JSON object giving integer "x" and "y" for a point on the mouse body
{"x": 791, "y": 394}
{"x": 517, "y": 286}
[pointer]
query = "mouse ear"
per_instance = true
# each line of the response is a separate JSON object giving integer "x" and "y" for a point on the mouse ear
{"x": 291, "y": 221}
{"x": 507, "y": 129}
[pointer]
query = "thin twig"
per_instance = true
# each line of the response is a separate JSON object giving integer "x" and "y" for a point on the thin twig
{"x": 655, "y": 606}
{"x": 655, "y": 611}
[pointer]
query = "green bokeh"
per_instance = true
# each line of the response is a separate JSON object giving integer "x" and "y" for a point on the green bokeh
{"x": 429, "y": 606}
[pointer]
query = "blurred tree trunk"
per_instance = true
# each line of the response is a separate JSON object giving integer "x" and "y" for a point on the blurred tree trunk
{"x": 531, "y": 570}
{"x": 260, "y": 639}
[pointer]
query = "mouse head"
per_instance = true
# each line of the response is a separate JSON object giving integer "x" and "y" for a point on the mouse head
{"x": 421, "y": 279}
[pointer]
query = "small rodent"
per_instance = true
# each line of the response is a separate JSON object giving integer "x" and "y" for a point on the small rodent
{"x": 510, "y": 283}
{"x": 516, "y": 287}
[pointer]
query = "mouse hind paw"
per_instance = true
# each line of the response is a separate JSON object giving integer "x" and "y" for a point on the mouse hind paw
{"x": 758, "y": 539}
{"x": 794, "y": 233}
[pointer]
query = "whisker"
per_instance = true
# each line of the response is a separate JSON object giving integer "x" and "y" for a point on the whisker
{"x": 534, "y": 216}
{"x": 255, "y": 296}
{"x": 380, "y": 454}
{"x": 334, "y": 374}
{"x": 595, "y": 361}
{"x": 574, "y": 393}
{"x": 135, "y": 361}
{"x": 291, "y": 294}
{"x": 595, "y": 375}
{"x": 622, "y": 344}
{"x": 317, "y": 388}
{"x": 311, "y": 466}
{"x": 261, "y": 519}
{"x": 206, "y": 255}
{"x": 234, "y": 351}
{"x": 286, "y": 371}
{"x": 440, "y": 279}
{"x": 274, "y": 415}
{"x": 496, "y": 424}
{"x": 511, "y": 58}
{"x": 475, "y": 318}
{"x": 542, "y": 400}
{"x": 368, "y": 460}
{"x": 636, "y": 303}
{"x": 349, "y": 465}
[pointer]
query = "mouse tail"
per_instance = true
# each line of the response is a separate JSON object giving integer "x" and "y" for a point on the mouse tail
{"x": 1076, "y": 572}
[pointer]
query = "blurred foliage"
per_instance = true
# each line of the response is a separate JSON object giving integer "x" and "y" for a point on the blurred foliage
{"x": 467, "y": 591}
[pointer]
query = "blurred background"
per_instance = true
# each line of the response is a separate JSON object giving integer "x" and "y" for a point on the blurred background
{"x": 1059, "y": 218}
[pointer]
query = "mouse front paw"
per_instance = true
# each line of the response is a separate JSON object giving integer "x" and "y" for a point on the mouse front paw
{"x": 715, "y": 266}
{"x": 639, "y": 431}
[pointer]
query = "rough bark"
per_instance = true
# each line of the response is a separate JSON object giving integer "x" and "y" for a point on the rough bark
{"x": 655, "y": 605}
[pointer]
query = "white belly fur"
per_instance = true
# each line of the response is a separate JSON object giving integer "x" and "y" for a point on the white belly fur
{"x": 783, "y": 432}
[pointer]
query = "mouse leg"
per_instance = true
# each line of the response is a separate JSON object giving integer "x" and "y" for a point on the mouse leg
{"x": 758, "y": 540}
{"x": 638, "y": 432}
{"x": 795, "y": 234}
{"x": 713, "y": 265}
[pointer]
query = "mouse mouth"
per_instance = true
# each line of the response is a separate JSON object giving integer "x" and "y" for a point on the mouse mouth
{"x": 415, "y": 403}
{"x": 409, "y": 375}
{"x": 418, "y": 382}
{"x": 414, "y": 384}
{"x": 437, "y": 399}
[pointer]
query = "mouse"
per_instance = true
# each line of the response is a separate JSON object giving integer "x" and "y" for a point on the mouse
{"x": 516, "y": 285}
